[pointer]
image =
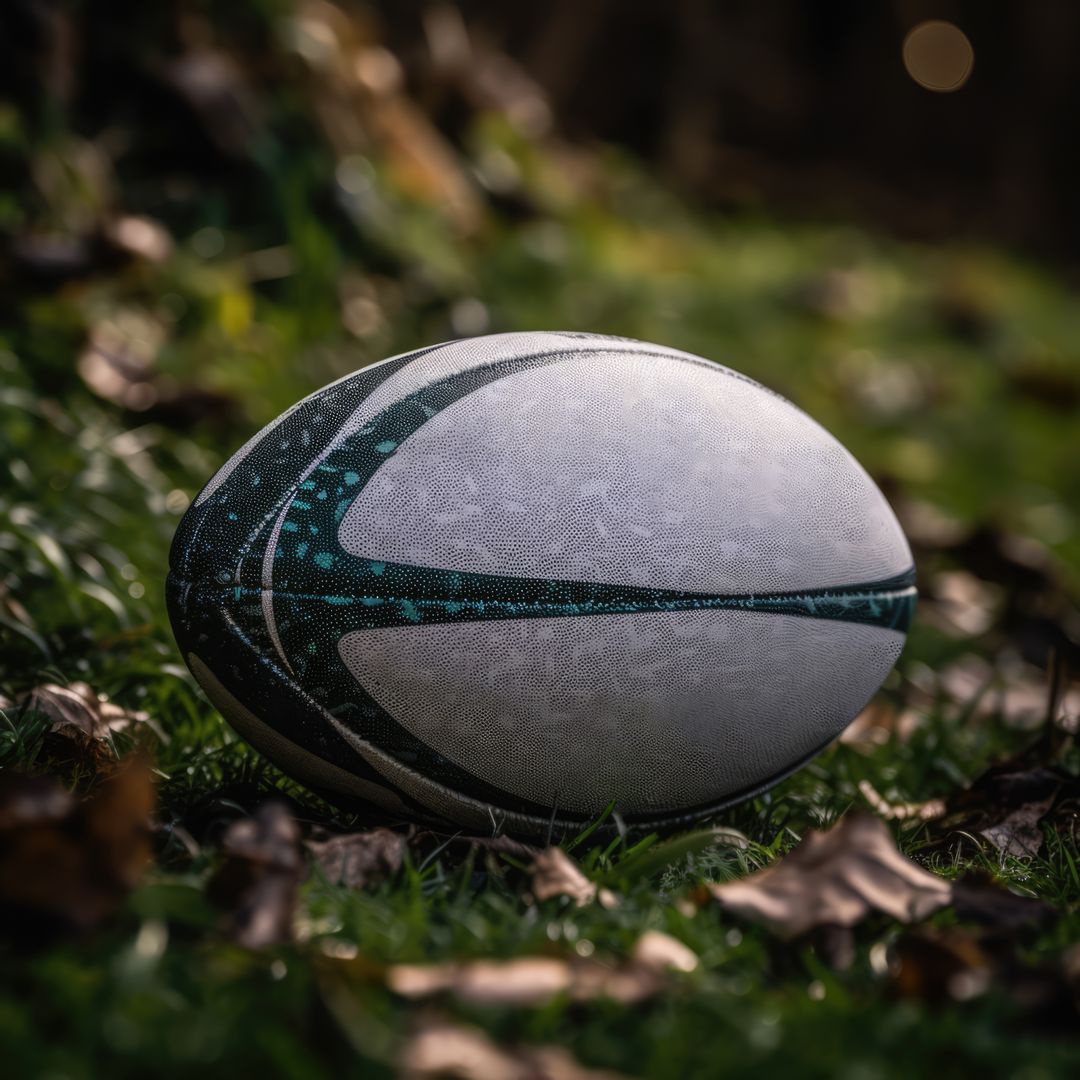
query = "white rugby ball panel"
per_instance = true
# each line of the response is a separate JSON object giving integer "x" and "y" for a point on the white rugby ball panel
{"x": 659, "y": 710}
{"x": 611, "y": 466}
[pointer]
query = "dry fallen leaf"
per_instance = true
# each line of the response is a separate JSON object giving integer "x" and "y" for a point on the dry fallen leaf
{"x": 440, "y": 1048}
{"x": 80, "y": 707}
{"x": 529, "y": 980}
{"x": 81, "y": 723}
{"x": 833, "y": 880}
{"x": 526, "y": 981}
{"x": 73, "y": 862}
{"x": 258, "y": 881}
{"x": 977, "y": 898}
{"x": 1005, "y": 805}
{"x": 836, "y": 878}
{"x": 534, "y": 980}
{"x": 358, "y": 859}
{"x": 1018, "y": 834}
{"x": 661, "y": 952}
{"x": 554, "y": 873}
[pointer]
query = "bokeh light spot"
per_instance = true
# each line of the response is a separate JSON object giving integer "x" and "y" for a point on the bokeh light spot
{"x": 938, "y": 56}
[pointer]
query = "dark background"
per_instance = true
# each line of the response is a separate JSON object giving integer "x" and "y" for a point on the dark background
{"x": 809, "y": 104}
{"x": 804, "y": 105}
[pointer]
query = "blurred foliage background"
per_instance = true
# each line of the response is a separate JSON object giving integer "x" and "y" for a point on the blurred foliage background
{"x": 208, "y": 213}
{"x": 209, "y": 210}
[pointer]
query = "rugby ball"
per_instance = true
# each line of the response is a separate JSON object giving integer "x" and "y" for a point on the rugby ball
{"x": 506, "y": 581}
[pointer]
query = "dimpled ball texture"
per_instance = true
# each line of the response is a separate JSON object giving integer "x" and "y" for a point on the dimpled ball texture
{"x": 510, "y": 580}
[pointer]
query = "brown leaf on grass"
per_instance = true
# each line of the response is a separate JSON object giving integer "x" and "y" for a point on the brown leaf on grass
{"x": 258, "y": 881}
{"x": 81, "y": 723}
{"x": 534, "y": 980}
{"x": 72, "y": 862}
{"x": 440, "y": 1048}
{"x": 836, "y": 878}
{"x": 78, "y": 706}
{"x": 1018, "y": 833}
{"x": 661, "y": 952}
{"x": 524, "y": 981}
{"x": 1005, "y": 806}
{"x": 554, "y": 873}
{"x": 359, "y": 859}
{"x": 977, "y": 898}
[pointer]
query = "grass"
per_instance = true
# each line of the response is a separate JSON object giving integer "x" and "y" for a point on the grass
{"x": 951, "y": 372}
